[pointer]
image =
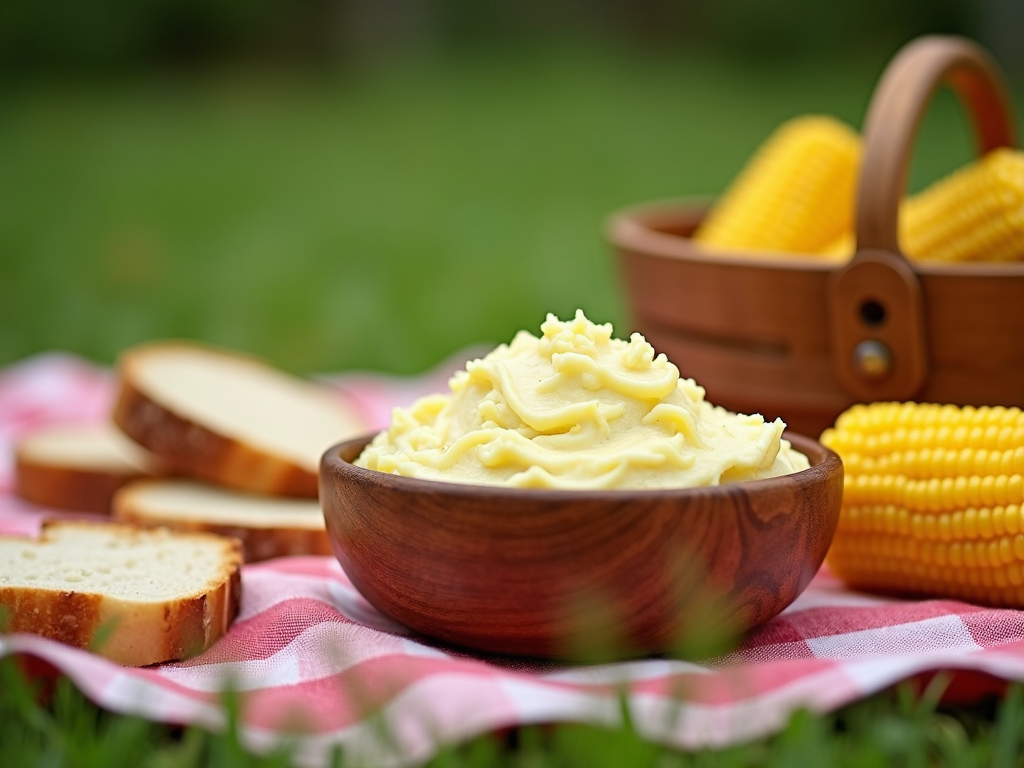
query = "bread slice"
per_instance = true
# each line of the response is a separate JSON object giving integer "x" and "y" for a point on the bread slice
{"x": 138, "y": 596}
{"x": 78, "y": 466}
{"x": 228, "y": 418}
{"x": 268, "y": 526}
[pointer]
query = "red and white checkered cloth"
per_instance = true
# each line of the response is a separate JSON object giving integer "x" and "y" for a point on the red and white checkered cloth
{"x": 314, "y": 661}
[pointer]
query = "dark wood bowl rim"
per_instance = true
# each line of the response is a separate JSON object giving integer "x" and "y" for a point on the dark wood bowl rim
{"x": 333, "y": 463}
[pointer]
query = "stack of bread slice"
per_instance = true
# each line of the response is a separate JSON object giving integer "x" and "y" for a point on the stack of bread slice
{"x": 244, "y": 439}
{"x": 200, "y": 439}
{"x": 211, "y": 457}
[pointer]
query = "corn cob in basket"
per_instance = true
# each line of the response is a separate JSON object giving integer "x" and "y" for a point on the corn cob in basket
{"x": 797, "y": 193}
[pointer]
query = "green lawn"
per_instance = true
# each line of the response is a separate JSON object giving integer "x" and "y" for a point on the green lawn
{"x": 380, "y": 219}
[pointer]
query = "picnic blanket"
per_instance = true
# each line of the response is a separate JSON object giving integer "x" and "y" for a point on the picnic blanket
{"x": 313, "y": 661}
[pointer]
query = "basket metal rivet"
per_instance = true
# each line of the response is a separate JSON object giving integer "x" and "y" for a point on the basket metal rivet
{"x": 872, "y": 358}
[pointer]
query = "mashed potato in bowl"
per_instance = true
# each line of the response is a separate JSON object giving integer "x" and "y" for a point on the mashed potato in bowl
{"x": 578, "y": 409}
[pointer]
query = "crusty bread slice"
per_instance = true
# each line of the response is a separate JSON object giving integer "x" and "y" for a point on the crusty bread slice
{"x": 138, "y": 596}
{"x": 78, "y": 466}
{"x": 268, "y": 526}
{"x": 228, "y": 418}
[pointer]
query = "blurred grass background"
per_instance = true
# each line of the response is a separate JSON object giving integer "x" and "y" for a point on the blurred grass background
{"x": 344, "y": 184}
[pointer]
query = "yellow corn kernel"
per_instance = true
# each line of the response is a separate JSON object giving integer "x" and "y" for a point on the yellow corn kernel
{"x": 795, "y": 194}
{"x": 932, "y": 501}
{"x": 974, "y": 214}
{"x": 858, "y": 429}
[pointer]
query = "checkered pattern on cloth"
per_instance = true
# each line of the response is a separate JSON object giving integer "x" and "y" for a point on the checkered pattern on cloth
{"x": 310, "y": 656}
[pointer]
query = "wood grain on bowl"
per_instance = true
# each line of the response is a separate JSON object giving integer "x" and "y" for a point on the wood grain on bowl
{"x": 533, "y": 572}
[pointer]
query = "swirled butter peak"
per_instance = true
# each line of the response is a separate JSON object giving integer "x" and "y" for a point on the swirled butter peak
{"x": 576, "y": 408}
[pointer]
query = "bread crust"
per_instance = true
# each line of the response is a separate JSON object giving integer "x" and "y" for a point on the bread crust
{"x": 64, "y": 487}
{"x": 258, "y": 542}
{"x": 83, "y": 478}
{"x": 130, "y": 633}
{"x": 192, "y": 448}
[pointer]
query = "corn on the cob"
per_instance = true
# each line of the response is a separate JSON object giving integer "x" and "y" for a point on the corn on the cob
{"x": 933, "y": 501}
{"x": 795, "y": 194}
{"x": 840, "y": 249}
{"x": 974, "y": 214}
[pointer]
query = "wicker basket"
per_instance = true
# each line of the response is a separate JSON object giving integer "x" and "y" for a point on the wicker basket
{"x": 803, "y": 339}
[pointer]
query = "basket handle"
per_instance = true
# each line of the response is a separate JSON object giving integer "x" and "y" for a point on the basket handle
{"x": 876, "y": 308}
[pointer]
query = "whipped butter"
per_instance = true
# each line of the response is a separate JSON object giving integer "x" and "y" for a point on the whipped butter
{"x": 576, "y": 408}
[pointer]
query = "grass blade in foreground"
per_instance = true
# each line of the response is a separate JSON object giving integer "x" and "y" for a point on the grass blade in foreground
{"x": 57, "y": 725}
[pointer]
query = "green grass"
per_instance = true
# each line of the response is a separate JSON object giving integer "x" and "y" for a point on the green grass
{"x": 381, "y": 219}
{"x": 903, "y": 726}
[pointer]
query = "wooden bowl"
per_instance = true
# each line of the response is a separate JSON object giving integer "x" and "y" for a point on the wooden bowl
{"x": 548, "y": 573}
